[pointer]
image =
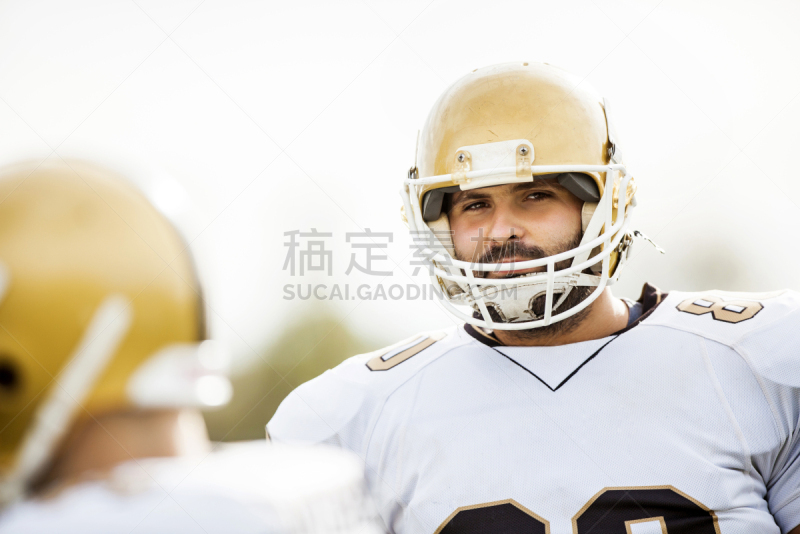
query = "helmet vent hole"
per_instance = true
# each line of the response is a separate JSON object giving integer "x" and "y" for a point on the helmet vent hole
{"x": 9, "y": 376}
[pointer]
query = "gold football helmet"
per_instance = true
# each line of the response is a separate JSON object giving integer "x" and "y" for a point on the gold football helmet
{"x": 513, "y": 123}
{"x": 100, "y": 310}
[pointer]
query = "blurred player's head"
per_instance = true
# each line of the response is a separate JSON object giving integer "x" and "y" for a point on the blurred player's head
{"x": 100, "y": 312}
{"x": 518, "y": 163}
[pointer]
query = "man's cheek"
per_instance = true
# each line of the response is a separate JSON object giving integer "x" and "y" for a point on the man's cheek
{"x": 461, "y": 251}
{"x": 464, "y": 246}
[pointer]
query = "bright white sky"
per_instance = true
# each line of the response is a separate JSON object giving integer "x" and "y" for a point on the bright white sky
{"x": 298, "y": 115}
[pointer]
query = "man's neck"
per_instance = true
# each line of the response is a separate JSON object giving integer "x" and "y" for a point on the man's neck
{"x": 606, "y": 315}
{"x": 97, "y": 445}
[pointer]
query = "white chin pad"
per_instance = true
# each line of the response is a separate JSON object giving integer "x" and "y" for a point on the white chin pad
{"x": 514, "y": 305}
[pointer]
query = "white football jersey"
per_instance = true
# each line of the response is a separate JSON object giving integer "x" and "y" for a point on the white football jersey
{"x": 685, "y": 423}
{"x": 246, "y": 488}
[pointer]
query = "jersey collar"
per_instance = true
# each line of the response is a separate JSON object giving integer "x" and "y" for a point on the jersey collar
{"x": 650, "y": 298}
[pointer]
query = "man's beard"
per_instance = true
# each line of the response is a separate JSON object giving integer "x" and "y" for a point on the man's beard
{"x": 512, "y": 249}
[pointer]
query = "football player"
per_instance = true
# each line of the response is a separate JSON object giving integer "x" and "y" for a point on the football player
{"x": 557, "y": 407}
{"x": 104, "y": 365}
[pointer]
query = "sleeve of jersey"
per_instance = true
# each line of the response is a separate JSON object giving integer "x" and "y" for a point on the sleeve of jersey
{"x": 773, "y": 352}
{"x": 332, "y": 409}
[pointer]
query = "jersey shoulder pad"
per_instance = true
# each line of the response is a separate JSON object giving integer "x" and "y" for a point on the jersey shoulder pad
{"x": 724, "y": 316}
{"x": 340, "y": 404}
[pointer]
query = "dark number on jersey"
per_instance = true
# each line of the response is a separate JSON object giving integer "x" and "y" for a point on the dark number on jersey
{"x": 612, "y": 511}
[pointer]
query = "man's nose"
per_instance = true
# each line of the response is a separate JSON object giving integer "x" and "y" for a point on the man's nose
{"x": 505, "y": 225}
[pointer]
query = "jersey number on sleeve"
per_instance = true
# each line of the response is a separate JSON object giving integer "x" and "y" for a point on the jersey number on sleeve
{"x": 728, "y": 311}
{"x": 401, "y": 352}
{"x": 661, "y": 509}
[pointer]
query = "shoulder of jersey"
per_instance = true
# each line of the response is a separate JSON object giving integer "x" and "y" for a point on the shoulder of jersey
{"x": 399, "y": 361}
{"x": 339, "y": 404}
{"x": 727, "y": 317}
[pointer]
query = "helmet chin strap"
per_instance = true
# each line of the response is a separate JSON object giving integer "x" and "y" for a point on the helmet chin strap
{"x": 69, "y": 390}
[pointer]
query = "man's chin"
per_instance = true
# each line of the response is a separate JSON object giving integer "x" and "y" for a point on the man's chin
{"x": 575, "y": 297}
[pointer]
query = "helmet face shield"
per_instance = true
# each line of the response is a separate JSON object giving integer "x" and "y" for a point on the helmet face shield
{"x": 469, "y": 295}
{"x": 509, "y": 124}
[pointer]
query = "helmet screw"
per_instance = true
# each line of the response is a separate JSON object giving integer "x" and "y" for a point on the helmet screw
{"x": 461, "y": 157}
{"x": 523, "y": 150}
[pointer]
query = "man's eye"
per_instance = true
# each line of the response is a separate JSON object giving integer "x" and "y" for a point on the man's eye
{"x": 538, "y": 195}
{"x": 474, "y": 206}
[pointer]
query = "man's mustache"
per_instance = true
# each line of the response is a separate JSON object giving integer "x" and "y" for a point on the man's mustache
{"x": 509, "y": 250}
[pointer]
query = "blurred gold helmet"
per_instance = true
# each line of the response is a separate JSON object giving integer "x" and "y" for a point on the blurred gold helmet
{"x": 100, "y": 310}
{"x": 514, "y": 123}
